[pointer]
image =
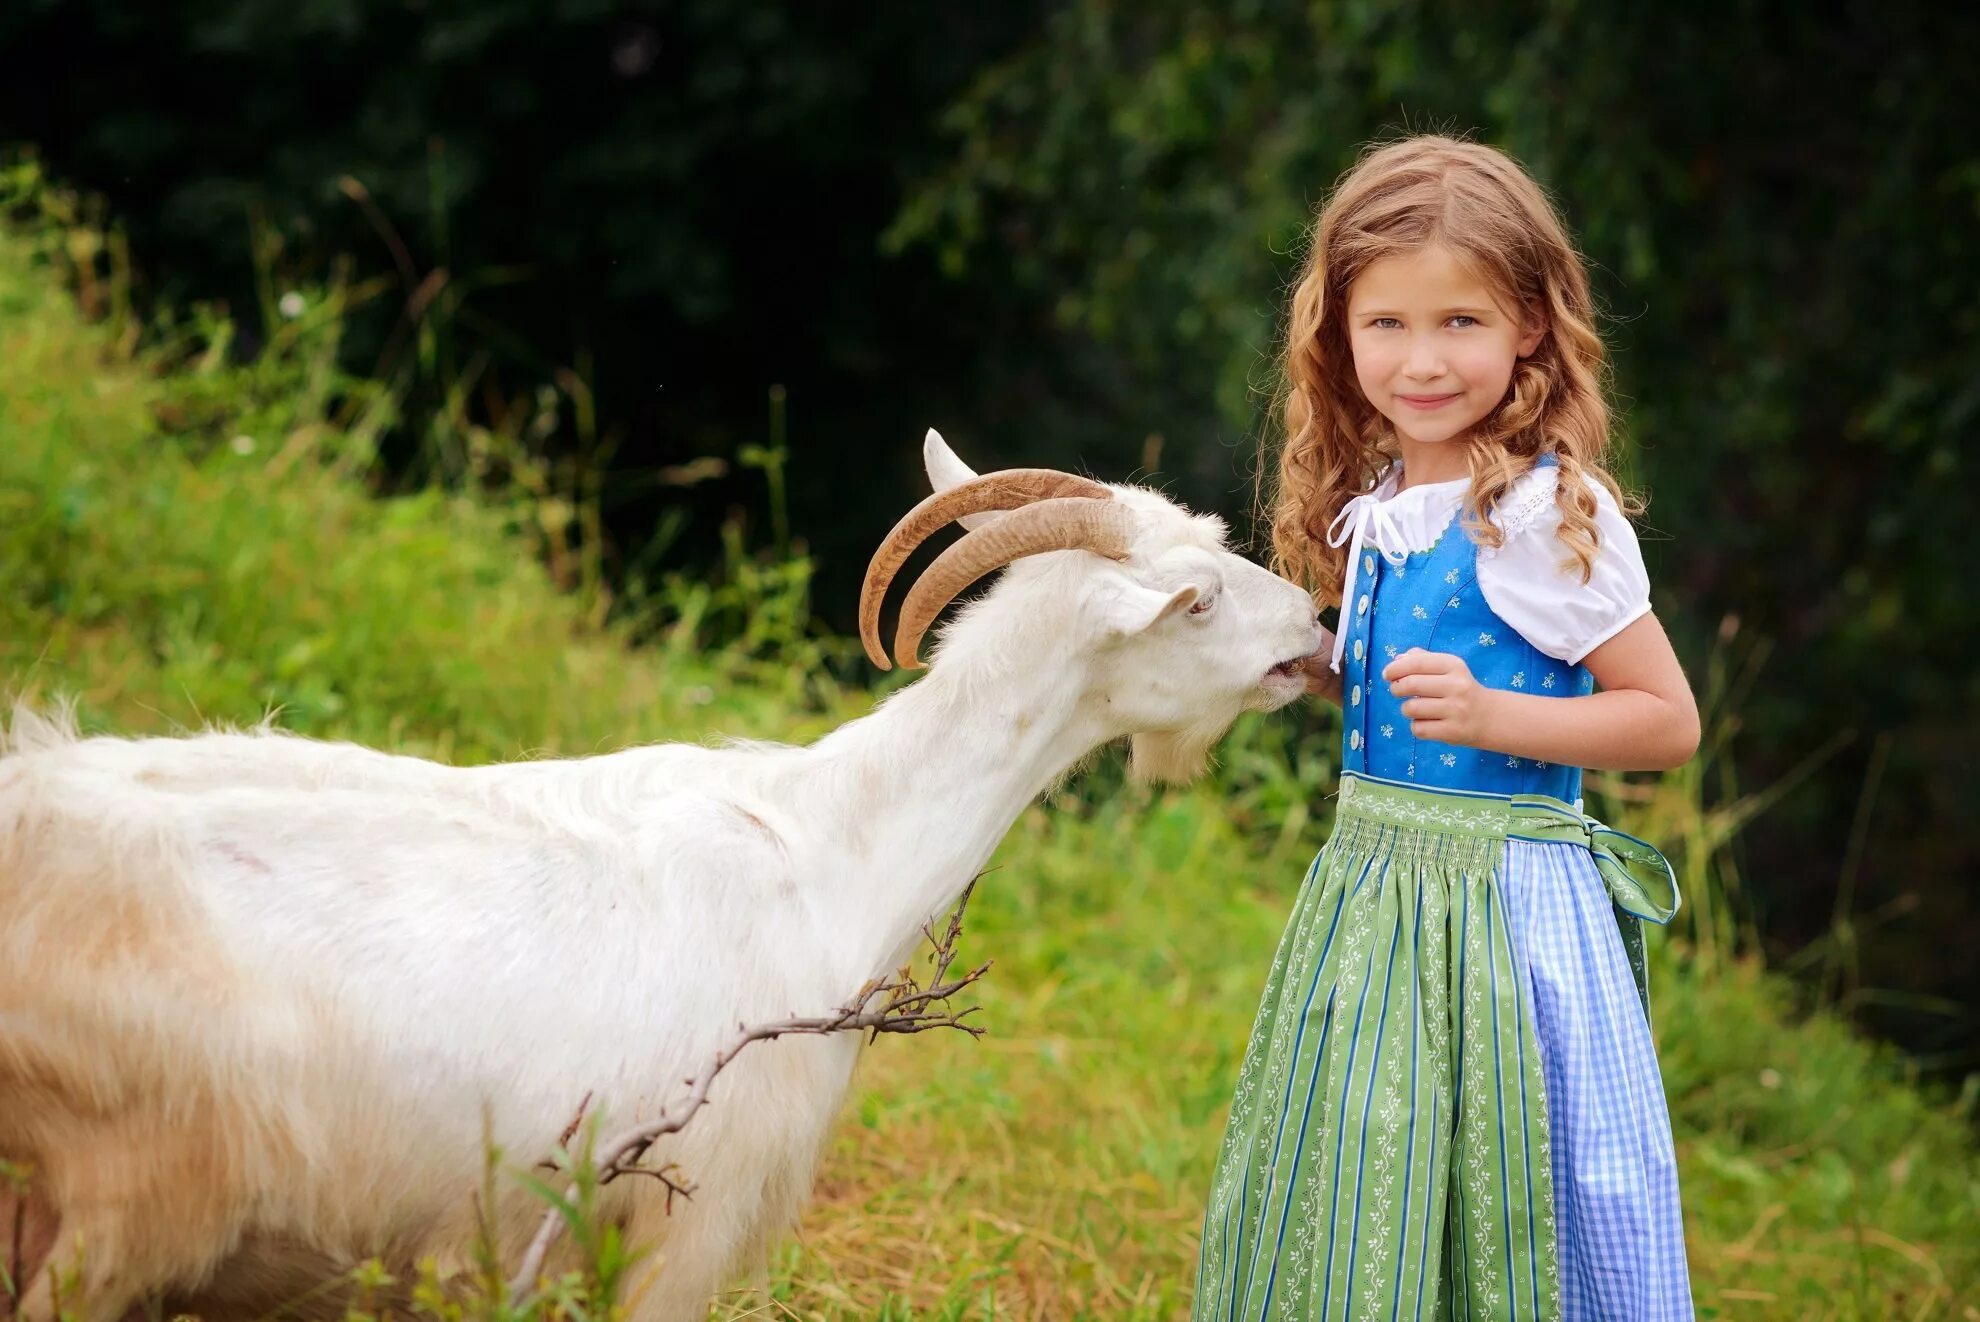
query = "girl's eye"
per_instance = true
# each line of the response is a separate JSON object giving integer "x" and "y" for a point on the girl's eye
{"x": 1383, "y": 323}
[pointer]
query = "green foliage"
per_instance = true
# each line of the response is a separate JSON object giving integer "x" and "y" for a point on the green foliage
{"x": 675, "y": 202}
{"x": 603, "y": 232}
{"x": 671, "y": 207}
{"x": 165, "y": 577}
{"x": 1776, "y": 217}
{"x": 433, "y": 615}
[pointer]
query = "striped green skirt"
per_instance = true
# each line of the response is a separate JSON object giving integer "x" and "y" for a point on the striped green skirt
{"x": 1455, "y": 962}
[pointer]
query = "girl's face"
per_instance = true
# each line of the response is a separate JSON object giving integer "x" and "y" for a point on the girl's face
{"x": 1433, "y": 350}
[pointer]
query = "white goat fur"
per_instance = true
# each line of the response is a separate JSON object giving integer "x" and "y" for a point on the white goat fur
{"x": 257, "y": 991}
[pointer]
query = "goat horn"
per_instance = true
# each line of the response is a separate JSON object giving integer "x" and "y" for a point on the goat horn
{"x": 1007, "y": 489}
{"x": 1062, "y": 523}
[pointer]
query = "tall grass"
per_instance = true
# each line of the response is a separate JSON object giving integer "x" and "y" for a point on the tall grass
{"x": 191, "y": 538}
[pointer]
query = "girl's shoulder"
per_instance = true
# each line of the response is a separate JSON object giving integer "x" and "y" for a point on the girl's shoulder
{"x": 1530, "y": 502}
{"x": 1533, "y": 580}
{"x": 1529, "y": 512}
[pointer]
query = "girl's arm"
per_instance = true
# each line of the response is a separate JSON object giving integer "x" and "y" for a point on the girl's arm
{"x": 1644, "y": 719}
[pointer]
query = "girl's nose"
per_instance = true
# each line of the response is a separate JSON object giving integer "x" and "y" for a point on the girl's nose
{"x": 1424, "y": 360}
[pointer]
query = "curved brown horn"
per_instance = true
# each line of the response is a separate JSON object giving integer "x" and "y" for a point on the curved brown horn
{"x": 1007, "y": 489}
{"x": 1064, "y": 523}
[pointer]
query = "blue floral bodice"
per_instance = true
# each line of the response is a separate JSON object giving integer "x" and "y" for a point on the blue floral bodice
{"x": 1432, "y": 600}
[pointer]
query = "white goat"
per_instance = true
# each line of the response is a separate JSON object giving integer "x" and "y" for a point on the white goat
{"x": 257, "y": 991}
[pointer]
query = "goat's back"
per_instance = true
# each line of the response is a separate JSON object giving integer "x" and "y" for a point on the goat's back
{"x": 266, "y": 989}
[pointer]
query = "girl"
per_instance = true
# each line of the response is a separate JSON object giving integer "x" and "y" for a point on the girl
{"x": 1450, "y": 1105}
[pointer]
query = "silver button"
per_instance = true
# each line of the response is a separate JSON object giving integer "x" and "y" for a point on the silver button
{"x": 1361, "y": 607}
{"x": 1357, "y": 649}
{"x": 1354, "y": 739}
{"x": 1354, "y": 699}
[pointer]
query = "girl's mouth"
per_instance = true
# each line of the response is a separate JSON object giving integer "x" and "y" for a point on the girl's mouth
{"x": 1426, "y": 401}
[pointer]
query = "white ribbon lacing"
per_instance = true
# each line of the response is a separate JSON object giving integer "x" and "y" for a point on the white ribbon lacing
{"x": 1368, "y": 521}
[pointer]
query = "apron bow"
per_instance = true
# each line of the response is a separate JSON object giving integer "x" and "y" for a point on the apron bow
{"x": 1638, "y": 877}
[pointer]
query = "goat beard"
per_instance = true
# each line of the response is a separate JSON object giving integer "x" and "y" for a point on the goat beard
{"x": 1171, "y": 757}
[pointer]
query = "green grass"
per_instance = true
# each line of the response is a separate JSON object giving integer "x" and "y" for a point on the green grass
{"x": 163, "y": 574}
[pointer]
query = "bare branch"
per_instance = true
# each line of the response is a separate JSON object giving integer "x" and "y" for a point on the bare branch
{"x": 909, "y": 1007}
{"x": 564, "y": 1139}
{"x": 570, "y": 1130}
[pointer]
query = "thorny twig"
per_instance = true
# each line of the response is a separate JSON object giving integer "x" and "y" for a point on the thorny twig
{"x": 909, "y": 1008}
{"x": 570, "y": 1131}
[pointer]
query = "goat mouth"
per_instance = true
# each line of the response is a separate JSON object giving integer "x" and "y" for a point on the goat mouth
{"x": 1288, "y": 669}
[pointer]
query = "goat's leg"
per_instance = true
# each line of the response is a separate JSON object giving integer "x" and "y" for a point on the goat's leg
{"x": 80, "y": 1272}
{"x": 28, "y": 1227}
{"x": 66, "y": 1279}
{"x": 120, "y": 1209}
{"x": 687, "y": 1260}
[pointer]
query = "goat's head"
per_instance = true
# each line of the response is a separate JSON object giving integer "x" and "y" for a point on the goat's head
{"x": 1177, "y": 634}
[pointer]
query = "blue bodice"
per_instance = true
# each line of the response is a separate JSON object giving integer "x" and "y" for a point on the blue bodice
{"x": 1432, "y": 600}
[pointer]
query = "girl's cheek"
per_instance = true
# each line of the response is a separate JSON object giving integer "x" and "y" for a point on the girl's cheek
{"x": 1369, "y": 377}
{"x": 1373, "y": 370}
{"x": 1487, "y": 366}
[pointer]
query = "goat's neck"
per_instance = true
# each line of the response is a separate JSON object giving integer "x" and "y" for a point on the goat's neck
{"x": 926, "y": 786}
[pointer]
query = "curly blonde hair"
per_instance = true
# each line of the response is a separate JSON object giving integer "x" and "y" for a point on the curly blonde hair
{"x": 1475, "y": 200}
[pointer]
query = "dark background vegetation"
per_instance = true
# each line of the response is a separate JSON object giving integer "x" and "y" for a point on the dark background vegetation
{"x": 1060, "y": 232}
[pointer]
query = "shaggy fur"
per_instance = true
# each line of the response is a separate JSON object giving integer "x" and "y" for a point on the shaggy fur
{"x": 259, "y": 994}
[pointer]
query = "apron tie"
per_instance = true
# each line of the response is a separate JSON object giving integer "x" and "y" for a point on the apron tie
{"x": 1639, "y": 878}
{"x": 1363, "y": 516}
{"x": 1641, "y": 885}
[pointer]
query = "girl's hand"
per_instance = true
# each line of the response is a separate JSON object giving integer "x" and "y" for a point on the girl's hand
{"x": 1443, "y": 701}
{"x": 1321, "y": 680}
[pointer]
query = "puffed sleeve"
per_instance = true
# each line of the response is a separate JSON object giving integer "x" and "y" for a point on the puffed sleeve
{"x": 1551, "y": 607}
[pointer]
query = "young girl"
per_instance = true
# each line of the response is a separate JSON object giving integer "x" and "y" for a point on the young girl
{"x": 1450, "y": 1104}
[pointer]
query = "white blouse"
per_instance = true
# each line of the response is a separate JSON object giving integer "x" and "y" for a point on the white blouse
{"x": 1522, "y": 579}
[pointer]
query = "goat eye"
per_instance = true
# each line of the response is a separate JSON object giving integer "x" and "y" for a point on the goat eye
{"x": 1201, "y": 604}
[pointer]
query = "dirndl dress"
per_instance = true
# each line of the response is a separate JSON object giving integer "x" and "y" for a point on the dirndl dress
{"x": 1449, "y": 1105}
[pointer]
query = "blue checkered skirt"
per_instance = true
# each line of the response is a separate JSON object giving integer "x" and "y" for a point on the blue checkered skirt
{"x": 1450, "y": 1106}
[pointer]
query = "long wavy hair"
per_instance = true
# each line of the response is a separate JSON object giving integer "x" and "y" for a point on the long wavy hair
{"x": 1474, "y": 199}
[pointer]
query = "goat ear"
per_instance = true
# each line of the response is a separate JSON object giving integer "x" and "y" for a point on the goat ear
{"x": 945, "y": 471}
{"x": 1128, "y": 608}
